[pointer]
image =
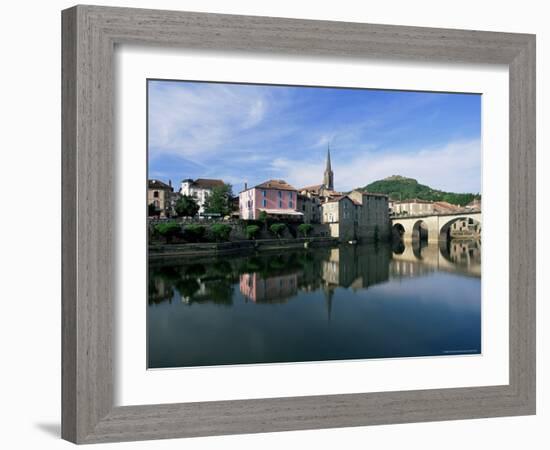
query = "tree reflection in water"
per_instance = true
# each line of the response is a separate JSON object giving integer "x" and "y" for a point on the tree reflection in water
{"x": 343, "y": 302}
{"x": 277, "y": 277}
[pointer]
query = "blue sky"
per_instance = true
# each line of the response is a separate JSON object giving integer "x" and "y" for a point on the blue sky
{"x": 254, "y": 133}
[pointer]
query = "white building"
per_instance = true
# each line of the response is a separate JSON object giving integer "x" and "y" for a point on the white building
{"x": 200, "y": 189}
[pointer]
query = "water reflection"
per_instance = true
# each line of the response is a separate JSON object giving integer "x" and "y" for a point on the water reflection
{"x": 321, "y": 302}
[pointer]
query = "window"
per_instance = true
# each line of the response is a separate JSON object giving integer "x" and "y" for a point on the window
{"x": 280, "y": 203}
{"x": 264, "y": 202}
{"x": 264, "y": 193}
{"x": 156, "y": 194}
{"x": 280, "y": 194}
{"x": 290, "y": 195}
{"x": 290, "y": 204}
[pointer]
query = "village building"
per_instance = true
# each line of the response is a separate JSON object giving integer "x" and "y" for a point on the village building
{"x": 348, "y": 217}
{"x": 309, "y": 205}
{"x": 357, "y": 215}
{"x": 340, "y": 214}
{"x": 276, "y": 198}
{"x": 412, "y": 207}
{"x": 160, "y": 195}
{"x": 200, "y": 189}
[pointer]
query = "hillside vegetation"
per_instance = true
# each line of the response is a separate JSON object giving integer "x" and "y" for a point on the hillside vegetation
{"x": 402, "y": 188}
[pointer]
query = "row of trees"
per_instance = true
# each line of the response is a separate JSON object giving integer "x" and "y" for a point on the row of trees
{"x": 171, "y": 230}
{"x": 218, "y": 232}
{"x": 218, "y": 202}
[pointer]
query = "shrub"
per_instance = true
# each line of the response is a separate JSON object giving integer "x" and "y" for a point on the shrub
{"x": 277, "y": 229}
{"x": 305, "y": 229}
{"x": 220, "y": 231}
{"x": 194, "y": 232}
{"x": 168, "y": 230}
{"x": 252, "y": 231}
{"x": 152, "y": 210}
{"x": 262, "y": 217}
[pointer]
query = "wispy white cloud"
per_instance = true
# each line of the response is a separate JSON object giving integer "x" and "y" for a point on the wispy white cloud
{"x": 196, "y": 121}
{"x": 252, "y": 133}
{"x": 453, "y": 167}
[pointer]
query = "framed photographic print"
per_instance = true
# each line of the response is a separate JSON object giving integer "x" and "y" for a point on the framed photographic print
{"x": 277, "y": 224}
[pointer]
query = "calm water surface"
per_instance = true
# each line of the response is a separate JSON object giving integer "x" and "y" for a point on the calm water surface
{"x": 346, "y": 302}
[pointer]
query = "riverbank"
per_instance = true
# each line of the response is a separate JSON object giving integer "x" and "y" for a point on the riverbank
{"x": 160, "y": 251}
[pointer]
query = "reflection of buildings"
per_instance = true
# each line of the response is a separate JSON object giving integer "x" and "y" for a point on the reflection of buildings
{"x": 465, "y": 252}
{"x": 276, "y": 289}
{"x": 355, "y": 266}
{"x": 461, "y": 256}
{"x": 160, "y": 289}
{"x": 465, "y": 227}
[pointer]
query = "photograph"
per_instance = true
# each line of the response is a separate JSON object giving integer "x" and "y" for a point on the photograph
{"x": 294, "y": 224}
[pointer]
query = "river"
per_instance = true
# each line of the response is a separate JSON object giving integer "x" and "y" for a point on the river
{"x": 339, "y": 303}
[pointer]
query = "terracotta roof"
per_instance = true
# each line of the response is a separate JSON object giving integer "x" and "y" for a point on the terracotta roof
{"x": 207, "y": 183}
{"x": 157, "y": 184}
{"x": 276, "y": 184}
{"x": 316, "y": 187}
{"x": 445, "y": 206}
{"x": 415, "y": 200}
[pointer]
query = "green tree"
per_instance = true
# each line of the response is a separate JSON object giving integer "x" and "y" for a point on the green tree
{"x": 219, "y": 201}
{"x": 277, "y": 229}
{"x": 168, "y": 230}
{"x": 262, "y": 217}
{"x": 252, "y": 231}
{"x": 305, "y": 229}
{"x": 220, "y": 231}
{"x": 194, "y": 233}
{"x": 186, "y": 206}
{"x": 152, "y": 210}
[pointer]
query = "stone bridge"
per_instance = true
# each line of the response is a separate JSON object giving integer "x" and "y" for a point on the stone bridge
{"x": 434, "y": 227}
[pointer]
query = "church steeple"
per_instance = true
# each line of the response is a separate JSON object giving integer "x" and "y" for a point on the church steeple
{"x": 328, "y": 179}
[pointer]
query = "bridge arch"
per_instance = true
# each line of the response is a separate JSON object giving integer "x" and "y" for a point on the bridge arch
{"x": 420, "y": 231}
{"x": 437, "y": 226}
{"x": 459, "y": 226}
{"x": 398, "y": 231}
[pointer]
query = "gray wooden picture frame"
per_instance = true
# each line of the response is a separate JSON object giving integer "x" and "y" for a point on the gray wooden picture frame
{"x": 89, "y": 37}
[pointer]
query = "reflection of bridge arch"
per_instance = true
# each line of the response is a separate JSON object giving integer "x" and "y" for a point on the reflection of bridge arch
{"x": 398, "y": 231}
{"x": 458, "y": 255}
{"x": 438, "y": 227}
